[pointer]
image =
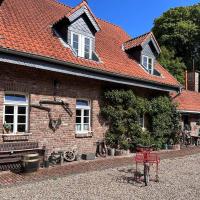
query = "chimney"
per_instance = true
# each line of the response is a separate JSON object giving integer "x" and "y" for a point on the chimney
{"x": 192, "y": 81}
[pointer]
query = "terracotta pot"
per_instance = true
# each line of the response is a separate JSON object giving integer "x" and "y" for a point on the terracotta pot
{"x": 118, "y": 152}
{"x": 111, "y": 151}
{"x": 176, "y": 147}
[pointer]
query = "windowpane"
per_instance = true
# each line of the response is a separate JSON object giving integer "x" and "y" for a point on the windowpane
{"x": 82, "y": 103}
{"x": 86, "y": 127}
{"x": 78, "y": 127}
{"x": 9, "y": 119}
{"x": 86, "y": 112}
{"x": 22, "y": 119}
{"x": 145, "y": 61}
{"x": 21, "y": 110}
{"x": 9, "y": 109}
{"x": 78, "y": 120}
{"x": 75, "y": 42}
{"x": 87, "y": 55}
{"x": 21, "y": 128}
{"x": 87, "y": 48}
{"x": 15, "y": 97}
{"x": 78, "y": 113}
{"x": 86, "y": 119}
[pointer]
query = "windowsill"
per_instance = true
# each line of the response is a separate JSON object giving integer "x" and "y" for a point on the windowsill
{"x": 16, "y": 134}
{"x": 84, "y": 134}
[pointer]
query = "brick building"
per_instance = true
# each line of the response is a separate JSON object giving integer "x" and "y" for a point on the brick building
{"x": 55, "y": 63}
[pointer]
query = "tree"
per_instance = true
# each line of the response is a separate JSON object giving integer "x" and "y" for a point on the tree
{"x": 173, "y": 64}
{"x": 179, "y": 30}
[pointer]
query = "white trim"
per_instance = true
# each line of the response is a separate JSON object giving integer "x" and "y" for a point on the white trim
{"x": 83, "y": 108}
{"x": 189, "y": 111}
{"x": 81, "y": 45}
{"x": 16, "y": 105}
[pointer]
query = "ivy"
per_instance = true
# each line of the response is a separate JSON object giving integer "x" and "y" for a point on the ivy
{"x": 122, "y": 110}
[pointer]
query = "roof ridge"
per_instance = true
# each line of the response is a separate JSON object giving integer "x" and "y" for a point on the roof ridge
{"x": 135, "y": 38}
{"x": 109, "y": 22}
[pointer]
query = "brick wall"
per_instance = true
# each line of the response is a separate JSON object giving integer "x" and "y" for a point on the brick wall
{"x": 38, "y": 85}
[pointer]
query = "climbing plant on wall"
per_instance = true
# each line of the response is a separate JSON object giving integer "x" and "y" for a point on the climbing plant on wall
{"x": 122, "y": 110}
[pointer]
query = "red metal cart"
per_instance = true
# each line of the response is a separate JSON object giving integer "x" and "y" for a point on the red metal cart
{"x": 146, "y": 157}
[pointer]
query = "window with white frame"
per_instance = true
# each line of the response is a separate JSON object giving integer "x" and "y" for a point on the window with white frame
{"x": 83, "y": 111}
{"x": 16, "y": 112}
{"x": 141, "y": 121}
{"x": 82, "y": 45}
{"x": 147, "y": 62}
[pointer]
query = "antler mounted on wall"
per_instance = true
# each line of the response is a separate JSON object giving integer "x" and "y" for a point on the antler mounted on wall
{"x": 54, "y": 124}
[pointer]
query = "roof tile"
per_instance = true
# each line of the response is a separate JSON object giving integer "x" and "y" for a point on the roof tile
{"x": 26, "y": 26}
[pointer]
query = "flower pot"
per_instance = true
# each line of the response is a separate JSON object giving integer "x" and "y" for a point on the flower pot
{"x": 125, "y": 152}
{"x": 111, "y": 151}
{"x": 170, "y": 146}
{"x": 176, "y": 147}
{"x": 118, "y": 152}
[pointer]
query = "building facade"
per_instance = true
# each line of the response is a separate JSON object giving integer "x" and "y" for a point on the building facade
{"x": 55, "y": 66}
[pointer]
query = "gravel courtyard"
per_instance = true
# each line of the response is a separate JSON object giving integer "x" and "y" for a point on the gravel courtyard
{"x": 179, "y": 179}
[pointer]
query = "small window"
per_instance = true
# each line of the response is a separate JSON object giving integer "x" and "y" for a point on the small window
{"x": 82, "y": 116}
{"x": 82, "y": 45}
{"x": 141, "y": 121}
{"x": 147, "y": 62}
{"x": 16, "y": 112}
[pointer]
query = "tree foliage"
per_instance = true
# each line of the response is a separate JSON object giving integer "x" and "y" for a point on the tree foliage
{"x": 179, "y": 31}
{"x": 122, "y": 110}
{"x": 173, "y": 64}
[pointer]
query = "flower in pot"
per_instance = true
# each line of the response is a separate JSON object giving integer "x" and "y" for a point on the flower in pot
{"x": 124, "y": 145}
{"x": 7, "y": 127}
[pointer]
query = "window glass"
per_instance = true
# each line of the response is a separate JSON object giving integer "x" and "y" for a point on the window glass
{"x": 82, "y": 103}
{"x": 87, "y": 48}
{"x": 145, "y": 60}
{"x": 15, "y": 97}
{"x": 76, "y": 43}
{"x": 9, "y": 110}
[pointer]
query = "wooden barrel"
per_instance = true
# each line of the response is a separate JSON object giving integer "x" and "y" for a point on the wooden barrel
{"x": 30, "y": 162}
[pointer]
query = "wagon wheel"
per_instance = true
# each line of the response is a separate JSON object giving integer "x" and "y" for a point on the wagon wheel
{"x": 69, "y": 156}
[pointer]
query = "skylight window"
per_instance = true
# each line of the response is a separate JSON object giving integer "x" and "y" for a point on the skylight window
{"x": 82, "y": 45}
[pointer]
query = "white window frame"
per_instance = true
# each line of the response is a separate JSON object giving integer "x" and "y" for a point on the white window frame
{"x": 81, "y": 45}
{"x": 82, "y": 108}
{"x": 17, "y": 104}
{"x": 147, "y": 67}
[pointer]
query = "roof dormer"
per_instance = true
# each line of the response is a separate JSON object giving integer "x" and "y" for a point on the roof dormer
{"x": 145, "y": 50}
{"x": 78, "y": 29}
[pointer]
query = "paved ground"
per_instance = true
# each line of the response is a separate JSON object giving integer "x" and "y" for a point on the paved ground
{"x": 179, "y": 179}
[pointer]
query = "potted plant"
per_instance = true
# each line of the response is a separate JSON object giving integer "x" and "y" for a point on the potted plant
{"x": 111, "y": 143}
{"x": 124, "y": 145}
{"x": 6, "y": 128}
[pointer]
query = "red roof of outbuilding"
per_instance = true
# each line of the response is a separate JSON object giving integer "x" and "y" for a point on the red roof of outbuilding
{"x": 26, "y": 26}
{"x": 188, "y": 101}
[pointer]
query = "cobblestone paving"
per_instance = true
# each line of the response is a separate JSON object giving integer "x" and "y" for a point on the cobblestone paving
{"x": 179, "y": 179}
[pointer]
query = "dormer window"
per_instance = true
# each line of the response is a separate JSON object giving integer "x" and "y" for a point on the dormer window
{"x": 147, "y": 63}
{"x": 82, "y": 45}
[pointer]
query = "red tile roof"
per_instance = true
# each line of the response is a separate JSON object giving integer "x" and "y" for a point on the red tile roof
{"x": 135, "y": 42}
{"x": 25, "y": 26}
{"x": 188, "y": 101}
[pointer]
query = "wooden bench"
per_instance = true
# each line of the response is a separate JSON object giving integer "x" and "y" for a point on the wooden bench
{"x": 13, "y": 151}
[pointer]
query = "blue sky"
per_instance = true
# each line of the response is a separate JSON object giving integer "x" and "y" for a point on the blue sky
{"x": 135, "y": 16}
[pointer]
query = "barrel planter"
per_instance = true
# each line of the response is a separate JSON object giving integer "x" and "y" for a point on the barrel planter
{"x": 30, "y": 163}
